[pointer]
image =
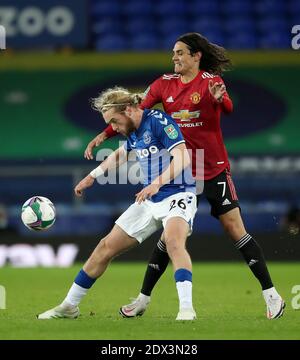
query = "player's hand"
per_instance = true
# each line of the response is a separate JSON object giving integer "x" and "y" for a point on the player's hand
{"x": 147, "y": 192}
{"x": 217, "y": 90}
{"x": 98, "y": 140}
{"x": 84, "y": 183}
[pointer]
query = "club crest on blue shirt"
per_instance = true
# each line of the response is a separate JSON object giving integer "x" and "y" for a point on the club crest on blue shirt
{"x": 171, "y": 131}
{"x": 147, "y": 137}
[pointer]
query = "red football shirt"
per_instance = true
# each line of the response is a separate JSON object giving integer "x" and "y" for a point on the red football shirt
{"x": 198, "y": 115}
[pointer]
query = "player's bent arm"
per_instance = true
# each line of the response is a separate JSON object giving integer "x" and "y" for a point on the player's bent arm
{"x": 152, "y": 97}
{"x": 114, "y": 160}
{"x": 226, "y": 104}
{"x": 180, "y": 161}
{"x": 220, "y": 96}
{"x": 98, "y": 140}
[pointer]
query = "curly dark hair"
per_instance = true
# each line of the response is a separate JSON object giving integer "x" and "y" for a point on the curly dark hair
{"x": 214, "y": 58}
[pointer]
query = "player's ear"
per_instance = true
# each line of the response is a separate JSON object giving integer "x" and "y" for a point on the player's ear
{"x": 128, "y": 111}
{"x": 198, "y": 55}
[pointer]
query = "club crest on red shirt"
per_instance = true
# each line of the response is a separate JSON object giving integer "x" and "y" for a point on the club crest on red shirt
{"x": 195, "y": 98}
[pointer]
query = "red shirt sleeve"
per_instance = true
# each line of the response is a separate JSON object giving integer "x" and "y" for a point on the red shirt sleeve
{"x": 226, "y": 104}
{"x": 152, "y": 95}
{"x": 110, "y": 132}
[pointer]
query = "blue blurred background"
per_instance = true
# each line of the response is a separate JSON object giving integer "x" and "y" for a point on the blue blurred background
{"x": 59, "y": 54}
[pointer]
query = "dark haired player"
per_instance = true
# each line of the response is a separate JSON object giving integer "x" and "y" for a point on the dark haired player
{"x": 195, "y": 95}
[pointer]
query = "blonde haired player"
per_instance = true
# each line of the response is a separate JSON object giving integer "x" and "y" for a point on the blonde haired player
{"x": 167, "y": 199}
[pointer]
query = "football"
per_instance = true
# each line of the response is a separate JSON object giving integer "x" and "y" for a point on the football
{"x": 38, "y": 213}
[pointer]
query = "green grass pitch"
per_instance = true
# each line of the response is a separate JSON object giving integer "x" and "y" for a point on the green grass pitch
{"x": 227, "y": 299}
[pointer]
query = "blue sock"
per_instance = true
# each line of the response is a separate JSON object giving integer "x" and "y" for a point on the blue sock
{"x": 83, "y": 280}
{"x": 183, "y": 278}
{"x": 183, "y": 275}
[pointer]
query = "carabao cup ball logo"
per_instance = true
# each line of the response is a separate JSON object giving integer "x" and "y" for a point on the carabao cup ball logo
{"x": 147, "y": 137}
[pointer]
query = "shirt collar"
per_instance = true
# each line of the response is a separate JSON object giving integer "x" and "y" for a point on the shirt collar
{"x": 140, "y": 129}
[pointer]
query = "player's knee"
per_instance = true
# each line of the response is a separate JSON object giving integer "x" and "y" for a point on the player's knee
{"x": 104, "y": 251}
{"x": 109, "y": 250}
{"x": 174, "y": 245}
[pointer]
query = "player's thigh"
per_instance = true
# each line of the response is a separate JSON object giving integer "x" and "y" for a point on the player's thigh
{"x": 181, "y": 208}
{"x": 118, "y": 240}
{"x": 221, "y": 194}
{"x": 114, "y": 243}
{"x": 138, "y": 221}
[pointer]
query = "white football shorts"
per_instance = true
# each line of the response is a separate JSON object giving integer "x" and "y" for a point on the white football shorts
{"x": 142, "y": 220}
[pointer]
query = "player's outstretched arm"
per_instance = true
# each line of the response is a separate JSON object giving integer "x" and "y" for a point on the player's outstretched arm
{"x": 85, "y": 183}
{"x": 180, "y": 161}
{"x": 97, "y": 141}
{"x": 114, "y": 160}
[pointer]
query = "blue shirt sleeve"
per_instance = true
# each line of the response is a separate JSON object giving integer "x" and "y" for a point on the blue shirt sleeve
{"x": 166, "y": 130}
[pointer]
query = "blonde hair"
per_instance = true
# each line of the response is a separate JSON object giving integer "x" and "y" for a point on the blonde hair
{"x": 116, "y": 97}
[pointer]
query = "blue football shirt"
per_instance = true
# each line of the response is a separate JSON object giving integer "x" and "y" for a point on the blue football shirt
{"x": 152, "y": 142}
